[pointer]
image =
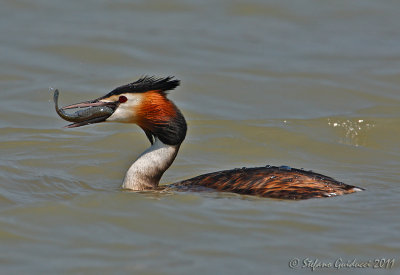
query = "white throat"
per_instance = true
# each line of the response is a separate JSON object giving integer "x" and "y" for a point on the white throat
{"x": 146, "y": 171}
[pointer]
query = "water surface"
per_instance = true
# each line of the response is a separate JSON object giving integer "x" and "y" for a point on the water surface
{"x": 305, "y": 84}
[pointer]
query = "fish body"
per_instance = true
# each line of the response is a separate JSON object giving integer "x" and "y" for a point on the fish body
{"x": 84, "y": 116}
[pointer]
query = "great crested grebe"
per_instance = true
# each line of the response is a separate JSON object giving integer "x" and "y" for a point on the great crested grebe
{"x": 145, "y": 103}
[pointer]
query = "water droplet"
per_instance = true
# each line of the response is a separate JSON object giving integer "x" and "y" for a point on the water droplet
{"x": 284, "y": 167}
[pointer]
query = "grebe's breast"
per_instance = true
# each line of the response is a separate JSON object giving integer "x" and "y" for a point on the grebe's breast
{"x": 275, "y": 182}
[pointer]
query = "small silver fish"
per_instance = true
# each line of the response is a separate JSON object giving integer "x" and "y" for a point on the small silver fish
{"x": 82, "y": 117}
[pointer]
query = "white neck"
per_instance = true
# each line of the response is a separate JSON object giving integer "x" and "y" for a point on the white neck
{"x": 146, "y": 171}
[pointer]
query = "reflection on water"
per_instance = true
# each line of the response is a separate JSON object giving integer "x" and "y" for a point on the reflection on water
{"x": 354, "y": 132}
{"x": 303, "y": 84}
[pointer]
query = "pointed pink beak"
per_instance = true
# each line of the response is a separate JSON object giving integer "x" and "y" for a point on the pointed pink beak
{"x": 90, "y": 103}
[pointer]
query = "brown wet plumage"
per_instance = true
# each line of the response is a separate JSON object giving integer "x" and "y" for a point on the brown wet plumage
{"x": 270, "y": 181}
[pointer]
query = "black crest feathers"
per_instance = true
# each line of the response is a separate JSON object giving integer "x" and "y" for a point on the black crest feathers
{"x": 146, "y": 83}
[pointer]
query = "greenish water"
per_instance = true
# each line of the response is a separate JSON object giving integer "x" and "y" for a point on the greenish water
{"x": 301, "y": 83}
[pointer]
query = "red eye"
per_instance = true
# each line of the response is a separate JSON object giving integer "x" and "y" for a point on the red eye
{"x": 122, "y": 99}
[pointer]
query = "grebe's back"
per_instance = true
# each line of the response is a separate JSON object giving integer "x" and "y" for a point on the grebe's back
{"x": 274, "y": 182}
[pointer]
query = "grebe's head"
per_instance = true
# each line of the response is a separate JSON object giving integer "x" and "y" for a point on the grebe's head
{"x": 145, "y": 103}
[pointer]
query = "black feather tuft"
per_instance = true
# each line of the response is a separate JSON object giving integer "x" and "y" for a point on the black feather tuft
{"x": 149, "y": 136}
{"x": 173, "y": 132}
{"x": 146, "y": 83}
